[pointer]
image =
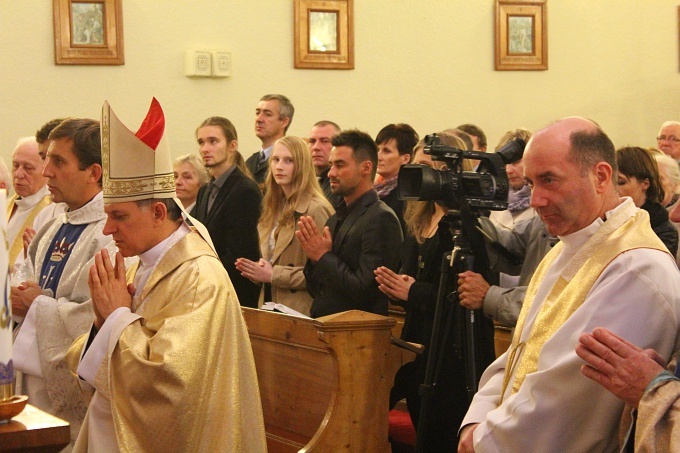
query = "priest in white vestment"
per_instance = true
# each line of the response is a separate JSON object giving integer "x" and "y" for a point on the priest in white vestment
{"x": 169, "y": 354}
{"x": 609, "y": 269}
{"x": 30, "y": 197}
{"x": 53, "y": 296}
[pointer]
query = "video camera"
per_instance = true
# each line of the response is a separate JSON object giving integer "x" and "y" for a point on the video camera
{"x": 483, "y": 190}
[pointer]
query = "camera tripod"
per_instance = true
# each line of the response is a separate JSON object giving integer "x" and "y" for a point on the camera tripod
{"x": 460, "y": 322}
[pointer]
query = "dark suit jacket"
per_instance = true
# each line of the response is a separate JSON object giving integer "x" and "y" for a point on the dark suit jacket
{"x": 259, "y": 170}
{"x": 232, "y": 224}
{"x": 343, "y": 279}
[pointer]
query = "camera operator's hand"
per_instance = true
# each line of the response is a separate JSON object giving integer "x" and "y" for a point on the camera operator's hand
{"x": 395, "y": 286}
{"x": 471, "y": 290}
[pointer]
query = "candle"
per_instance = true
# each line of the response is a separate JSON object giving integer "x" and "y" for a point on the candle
{"x": 6, "y": 367}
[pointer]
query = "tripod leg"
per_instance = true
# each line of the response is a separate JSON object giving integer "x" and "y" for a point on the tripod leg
{"x": 427, "y": 388}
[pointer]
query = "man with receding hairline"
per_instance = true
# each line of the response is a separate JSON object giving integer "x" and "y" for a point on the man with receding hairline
{"x": 668, "y": 139}
{"x": 273, "y": 116}
{"x": 320, "y": 145}
{"x": 603, "y": 272}
{"x": 31, "y": 196}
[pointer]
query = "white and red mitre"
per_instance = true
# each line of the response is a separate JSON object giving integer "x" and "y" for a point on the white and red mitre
{"x": 137, "y": 166}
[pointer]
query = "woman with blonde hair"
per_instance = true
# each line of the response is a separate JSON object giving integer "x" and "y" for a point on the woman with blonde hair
{"x": 291, "y": 191}
{"x": 415, "y": 289}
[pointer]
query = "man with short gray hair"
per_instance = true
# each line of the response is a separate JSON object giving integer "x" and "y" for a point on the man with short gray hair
{"x": 273, "y": 116}
{"x": 668, "y": 139}
{"x": 31, "y": 195}
{"x": 320, "y": 145}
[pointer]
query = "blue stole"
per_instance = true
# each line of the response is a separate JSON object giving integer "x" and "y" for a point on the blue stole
{"x": 57, "y": 255}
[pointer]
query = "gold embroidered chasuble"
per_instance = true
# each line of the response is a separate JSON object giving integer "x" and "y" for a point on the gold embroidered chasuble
{"x": 627, "y": 229}
{"x": 658, "y": 421}
{"x": 182, "y": 377}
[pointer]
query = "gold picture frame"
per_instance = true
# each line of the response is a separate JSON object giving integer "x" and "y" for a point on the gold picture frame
{"x": 88, "y": 32}
{"x": 324, "y": 34}
{"x": 521, "y": 35}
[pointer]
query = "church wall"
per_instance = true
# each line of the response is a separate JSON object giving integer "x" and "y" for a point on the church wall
{"x": 427, "y": 63}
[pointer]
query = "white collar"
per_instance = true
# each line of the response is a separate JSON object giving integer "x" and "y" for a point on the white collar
{"x": 151, "y": 257}
{"x": 28, "y": 202}
{"x": 92, "y": 211}
{"x": 574, "y": 241}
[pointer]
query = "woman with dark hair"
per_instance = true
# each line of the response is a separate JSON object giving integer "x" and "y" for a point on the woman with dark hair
{"x": 639, "y": 179}
{"x": 395, "y": 148}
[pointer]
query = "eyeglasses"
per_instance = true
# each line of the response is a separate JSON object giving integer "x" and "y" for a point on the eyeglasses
{"x": 663, "y": 138}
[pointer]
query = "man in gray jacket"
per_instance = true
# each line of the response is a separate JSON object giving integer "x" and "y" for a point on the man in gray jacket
{"x": 529, "y": 239}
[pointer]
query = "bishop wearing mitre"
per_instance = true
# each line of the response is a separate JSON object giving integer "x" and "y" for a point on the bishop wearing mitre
{"x": 168, "y": 354}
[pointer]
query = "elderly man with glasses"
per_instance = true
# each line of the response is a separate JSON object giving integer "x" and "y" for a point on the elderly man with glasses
{"x": 669, "y": 139}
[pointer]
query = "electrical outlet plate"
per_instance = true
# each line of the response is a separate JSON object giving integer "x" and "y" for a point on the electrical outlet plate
{"x": 221, "y": 64}
{"x": 197, "y": 63}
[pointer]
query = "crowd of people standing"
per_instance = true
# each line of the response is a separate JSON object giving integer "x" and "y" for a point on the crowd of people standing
{"x": 317, "y": 224}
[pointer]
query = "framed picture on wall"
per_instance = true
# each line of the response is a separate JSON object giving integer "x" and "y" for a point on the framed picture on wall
{"x": 324, "y": 34}
{"x": 88, "y": 32}
{"x": 521, "y": 35}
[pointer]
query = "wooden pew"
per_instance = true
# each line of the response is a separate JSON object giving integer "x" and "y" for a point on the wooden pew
{"x": 502, "y": 338}
{"x": 325, "y": 383}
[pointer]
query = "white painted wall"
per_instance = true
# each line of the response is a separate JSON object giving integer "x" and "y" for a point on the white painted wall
{"x": 425, "y": 62}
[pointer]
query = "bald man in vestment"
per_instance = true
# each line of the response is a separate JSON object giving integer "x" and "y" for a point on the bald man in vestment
{"x": 604, "y": 272}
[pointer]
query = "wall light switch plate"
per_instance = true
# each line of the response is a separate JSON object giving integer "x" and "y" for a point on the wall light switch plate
{"x": 221, "y": 64}
{"x": 197, "y": 63}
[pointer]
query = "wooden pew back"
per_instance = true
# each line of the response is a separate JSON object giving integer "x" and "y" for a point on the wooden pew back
{"x": 325, "y": 383}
